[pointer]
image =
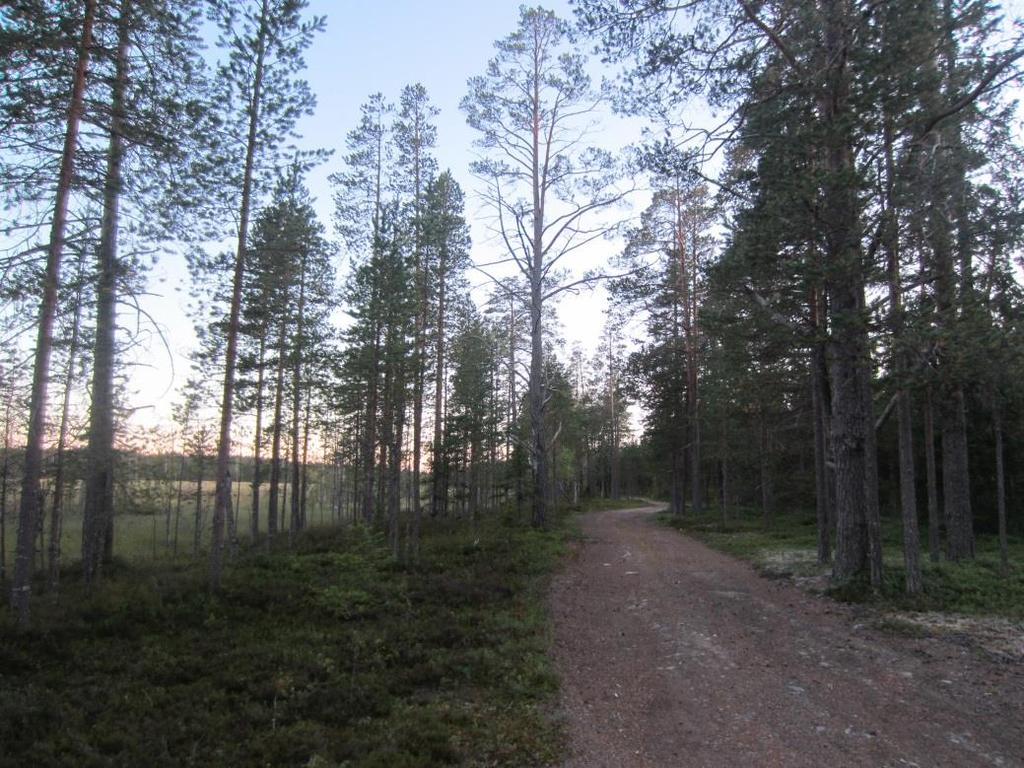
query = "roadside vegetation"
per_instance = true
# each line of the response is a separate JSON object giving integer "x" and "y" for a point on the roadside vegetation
{"x": 786, "y": 547}
{"x": 328, "y": 653}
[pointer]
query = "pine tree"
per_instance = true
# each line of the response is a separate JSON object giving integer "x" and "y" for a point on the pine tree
{"x": 415, "y": 136}
{"x": 264, "y": 50}
{"x": 30, "y": 505}
{"x": 544, "y": 184}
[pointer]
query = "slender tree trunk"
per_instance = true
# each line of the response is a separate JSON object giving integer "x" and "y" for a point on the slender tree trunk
{"x": 177, "y": 503}
{"x": 438, "y": 464}
{"x": 820, "y": 407}
{"x": 904, "y": 410}
{"x": 513, "y": 403}
{"x": 275, "y": 450}
{"x": 355, "y": 498}
{"x": 942, "y": 173}
{"x": 693, "y": 394}
{"x": 369, "y": 447}
{"x": 297, "y": 351}
{"x": 169, "y": 508}
{"x": 305, "y": 465}
{"x": 235, "y": 509}
{"x": 931, "y": 476}
{"x": 394, "y": 494}
{"x": 419, "y": 355}
{"x": 285, "y": 488}
{"x": 539, "y": 448}
{"x": 56, "y": 511}
{"x": 3, "y": 516}
{"x": 821, "y": 478}
{"x": 222, "y": 496}
{"x": 723, "y": 490}
{"x": 197, "y": 529}
{"x": 696, "y": 481}
{"x": 872, "y": 511}
{"x": 257, "y": 448}
{"x": 908, "y": 495}
{"x": 537, "y": 395}
{"x": 615, "y": 479}
{"x": 997, "y": 426}
{"x": 99, "y": 482}
{"x": 474, "y": 479}
{"x": 678, "y": 492}
{"x": 29, "y": 511}
{"x": 3, "y": 490}
{"x": 765, "y": 456}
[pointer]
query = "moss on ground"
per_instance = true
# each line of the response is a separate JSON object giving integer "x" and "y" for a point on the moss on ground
{"x": 328, "y": 654}
{"x": 788, "y": 545}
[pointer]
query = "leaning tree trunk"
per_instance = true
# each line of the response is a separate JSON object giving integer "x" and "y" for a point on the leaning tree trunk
{"x": 99, "y": 475}
{"x": 222, "y": 495}
{"x": 29, "y": 510}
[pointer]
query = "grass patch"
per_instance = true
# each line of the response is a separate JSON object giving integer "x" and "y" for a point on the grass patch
{"x": 788, "y": 548}
{"x": 330, "y": 654}
{"x": 895, "y": 625}
{"x": 599, "y": 505}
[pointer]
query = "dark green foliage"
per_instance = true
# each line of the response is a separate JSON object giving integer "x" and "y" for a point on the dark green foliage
{"x": 328, "y": 654}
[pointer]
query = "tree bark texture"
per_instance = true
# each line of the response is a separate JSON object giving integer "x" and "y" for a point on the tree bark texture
{"x": 99, "y": 480}
{"x": 30, "y": 503}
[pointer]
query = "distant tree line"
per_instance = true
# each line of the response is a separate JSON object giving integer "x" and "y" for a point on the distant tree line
{"x": 820, "y": 304}
{"x": 377, "y": 398}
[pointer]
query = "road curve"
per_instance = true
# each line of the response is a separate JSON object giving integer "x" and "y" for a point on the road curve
{"x": 674, "y": 655}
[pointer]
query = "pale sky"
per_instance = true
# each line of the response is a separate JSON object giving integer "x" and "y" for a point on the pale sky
{"x": 370, "y": 47}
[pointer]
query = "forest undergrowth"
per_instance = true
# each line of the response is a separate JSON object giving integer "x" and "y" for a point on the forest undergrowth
{"x": 786, "y": 547}
{"x": 328, "y": 653}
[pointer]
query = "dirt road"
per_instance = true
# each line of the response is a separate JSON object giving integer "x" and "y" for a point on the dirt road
{"x": 672, "y": 654}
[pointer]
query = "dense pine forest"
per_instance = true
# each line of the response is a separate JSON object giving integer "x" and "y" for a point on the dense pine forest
{"x": 812, "y": 267}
